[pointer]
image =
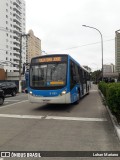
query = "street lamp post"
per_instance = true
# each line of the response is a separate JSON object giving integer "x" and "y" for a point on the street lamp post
{"x": 101, "y": 44}
{"x": 20, "y": 62}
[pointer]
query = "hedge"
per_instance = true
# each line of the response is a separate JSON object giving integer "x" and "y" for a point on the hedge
{"x": 111, "y": 92}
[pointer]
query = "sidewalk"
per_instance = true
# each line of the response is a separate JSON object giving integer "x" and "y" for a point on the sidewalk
{"x": 83, "y": 127}
{"x": 112, "y": 117}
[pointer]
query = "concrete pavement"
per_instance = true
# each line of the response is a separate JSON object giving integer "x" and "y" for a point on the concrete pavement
{"x": 83, "y": 127}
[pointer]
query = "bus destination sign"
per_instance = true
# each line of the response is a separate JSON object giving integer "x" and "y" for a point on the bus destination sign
{"x": 50, "y": 59}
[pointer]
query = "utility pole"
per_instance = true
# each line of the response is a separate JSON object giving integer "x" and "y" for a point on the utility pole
{"x": 20, "y": 62}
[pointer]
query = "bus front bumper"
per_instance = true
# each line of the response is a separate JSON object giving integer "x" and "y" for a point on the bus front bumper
{"x": 58, "y": 99}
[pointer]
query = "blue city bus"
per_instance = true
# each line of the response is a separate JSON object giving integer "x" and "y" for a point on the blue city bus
{"x": 57, "y": 78}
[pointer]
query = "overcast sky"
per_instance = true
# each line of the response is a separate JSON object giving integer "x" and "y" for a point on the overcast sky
{"x": 58, "y": 23}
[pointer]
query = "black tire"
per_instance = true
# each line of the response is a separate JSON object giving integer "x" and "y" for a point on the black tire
{"x": 13, "y": 93}
{"x": 1, "y": 100}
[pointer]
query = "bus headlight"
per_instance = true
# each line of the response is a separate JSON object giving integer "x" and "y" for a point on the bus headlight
{"x": 63, "y": 93}
{"x": 30, "y": 92}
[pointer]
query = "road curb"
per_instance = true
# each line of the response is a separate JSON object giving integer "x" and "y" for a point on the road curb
{"x": 113, "y": 119}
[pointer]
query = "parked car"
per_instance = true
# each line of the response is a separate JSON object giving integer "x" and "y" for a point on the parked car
{"x": 2, "y": 97}
{"x": 9, "y": 88}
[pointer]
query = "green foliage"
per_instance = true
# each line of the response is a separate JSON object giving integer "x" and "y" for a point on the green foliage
{"x": 95, "y": 76}
{"x": 111, "y": 92}
{"x": 103, "y": 87}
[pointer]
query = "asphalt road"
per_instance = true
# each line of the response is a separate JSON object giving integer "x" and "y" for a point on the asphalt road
{"x": 42, "y": 127}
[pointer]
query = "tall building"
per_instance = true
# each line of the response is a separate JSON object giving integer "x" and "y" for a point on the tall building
{"x": 108, "y": 68}
{"x": 117, "y": 51}
{"x": 12, "y": 25}
{"x": 33, "y": 46}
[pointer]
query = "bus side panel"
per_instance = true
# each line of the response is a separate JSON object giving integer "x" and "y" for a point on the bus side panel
{"x": 74, "y": 94}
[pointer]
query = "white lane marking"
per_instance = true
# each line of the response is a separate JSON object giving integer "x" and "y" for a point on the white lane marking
{"x": 54, "y": 117}
{"x": 76, "y": 118}
{"x": 1, "y": 159}
{"x": 21, "y": 116}
{"x": 1, "y": 107}
{"x": 10, "y": 100}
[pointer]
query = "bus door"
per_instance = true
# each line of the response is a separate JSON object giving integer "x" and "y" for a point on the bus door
{"x": 74, "y": 82}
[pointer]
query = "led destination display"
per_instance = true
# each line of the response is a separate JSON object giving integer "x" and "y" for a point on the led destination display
{"x": 49, "y": 59}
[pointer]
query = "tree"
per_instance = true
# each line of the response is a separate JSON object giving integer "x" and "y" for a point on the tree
{"x": 96, "y": 76}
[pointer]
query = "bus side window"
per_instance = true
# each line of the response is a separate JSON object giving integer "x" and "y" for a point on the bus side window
{"x": 88, "y": 76}
{"x": 84, "y": 77}
{"x": 72, "y": 74}
{"x": 81, "y": 75}
{"x": 77, "y": 78}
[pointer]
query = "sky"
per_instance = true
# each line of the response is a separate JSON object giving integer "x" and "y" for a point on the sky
{"x": 58, "y": 23}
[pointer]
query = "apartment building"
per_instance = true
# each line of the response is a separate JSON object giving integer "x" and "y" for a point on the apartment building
{"x": 108, "y": 68}
{"x": 12, "y": 25}
{"x": 117, "y": 51}
{"x": 33, "y": 46}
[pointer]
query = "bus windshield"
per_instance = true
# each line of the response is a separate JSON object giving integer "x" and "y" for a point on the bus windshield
{"x": 48, "y": 75}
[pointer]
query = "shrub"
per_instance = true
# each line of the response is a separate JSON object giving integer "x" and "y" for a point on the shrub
{"x": 103, "y": 87}
{"x": 113, "y": 97}
{"x": 111, "y": 92}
